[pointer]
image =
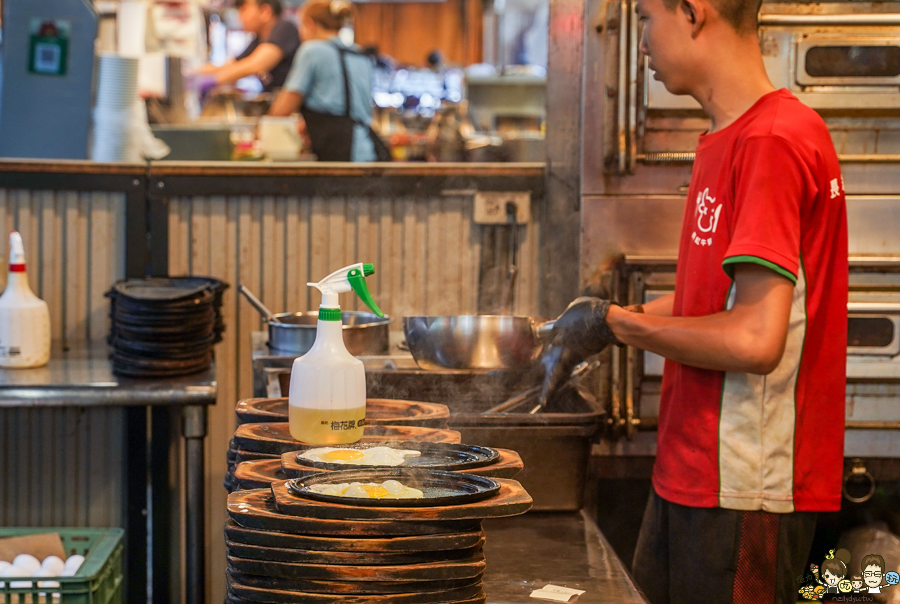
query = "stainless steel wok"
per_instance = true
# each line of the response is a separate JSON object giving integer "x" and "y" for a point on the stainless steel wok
{"x": 475, "y": 341}
{"x": 294, "y": 332}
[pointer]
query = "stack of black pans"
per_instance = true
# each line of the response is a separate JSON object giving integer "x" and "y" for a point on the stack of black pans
{"x": 165, "y": 326}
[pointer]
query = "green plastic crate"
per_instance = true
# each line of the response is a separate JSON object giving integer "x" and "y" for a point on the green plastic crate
{"x": 98, "y": 581}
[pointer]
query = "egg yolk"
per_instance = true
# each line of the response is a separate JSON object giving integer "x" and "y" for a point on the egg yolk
{"x": 375, "y": 492}
{"x": 344, "y": 454}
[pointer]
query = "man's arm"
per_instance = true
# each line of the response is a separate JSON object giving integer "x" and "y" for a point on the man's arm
{"x": 661, "y": 307}
{"x": 286, "y": 103}
{"x": 749, "y": 338}
{"x": 263, "y": 58}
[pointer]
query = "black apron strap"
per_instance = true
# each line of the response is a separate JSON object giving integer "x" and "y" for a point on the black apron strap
{"x": 382, "y": 153}
{"x": 342, "y": 51}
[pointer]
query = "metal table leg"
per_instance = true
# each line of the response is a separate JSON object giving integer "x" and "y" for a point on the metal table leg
{"x": 194, "y": 432}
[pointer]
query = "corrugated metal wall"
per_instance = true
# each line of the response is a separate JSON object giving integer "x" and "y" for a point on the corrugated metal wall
{"x": 61, "y": 466}
{"x": 427, "y": 255}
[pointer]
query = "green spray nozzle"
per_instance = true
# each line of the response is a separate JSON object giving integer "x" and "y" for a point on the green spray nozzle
{"x": 351, "y": 277}
{"x": 358, "y": 283}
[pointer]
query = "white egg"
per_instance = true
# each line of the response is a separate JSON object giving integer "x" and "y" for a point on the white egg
{"x": 53, "y": 565}
{"x": 27, "y": 561}
{"x": 15, "y": 571}
{"x": 4, "y": 565}
{"x": 46, "y": 573}
{"x": 356, "y": 490}
{"x": 372, "y": 456}
{"x": 74, "y": 562}
{"x": 69, "y": 572}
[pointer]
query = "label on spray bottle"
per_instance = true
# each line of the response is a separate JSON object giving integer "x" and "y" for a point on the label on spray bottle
{"x": 327, "y": 426}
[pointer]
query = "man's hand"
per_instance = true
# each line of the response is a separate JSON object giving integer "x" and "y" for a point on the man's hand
{"x": 580, "y": 332}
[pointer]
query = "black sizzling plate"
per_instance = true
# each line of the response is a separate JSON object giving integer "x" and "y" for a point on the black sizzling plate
{"x": 440, "y": 487}
{"x": 434, "y": 456}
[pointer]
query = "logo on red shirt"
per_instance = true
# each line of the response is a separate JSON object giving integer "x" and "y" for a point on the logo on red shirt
{"x": 707, "y": 212}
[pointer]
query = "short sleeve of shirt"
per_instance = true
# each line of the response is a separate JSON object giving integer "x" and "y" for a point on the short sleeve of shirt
{"x": 284, "y": 35}
{"x": 302, "y": 76}
{"x": 769, "y": 186}
{"x": 249, "y": 50}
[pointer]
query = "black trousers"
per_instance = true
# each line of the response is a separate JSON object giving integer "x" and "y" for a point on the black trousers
{"x": 691, "y": 555}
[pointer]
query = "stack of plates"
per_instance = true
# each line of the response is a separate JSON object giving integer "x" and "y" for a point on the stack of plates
{"x": 165, "y": 327}
{"x": 291, "y": 544}
{"x": 117, "y": 84}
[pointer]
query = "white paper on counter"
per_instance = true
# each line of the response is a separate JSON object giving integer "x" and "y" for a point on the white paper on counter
{"x": 556, "y": 593}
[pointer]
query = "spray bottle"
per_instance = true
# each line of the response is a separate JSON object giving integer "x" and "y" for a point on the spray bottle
{"x": 327, "y": 398}
{"x": 24, "y": 318}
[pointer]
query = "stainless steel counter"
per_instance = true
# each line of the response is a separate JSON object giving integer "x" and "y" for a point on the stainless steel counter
{"x": 526, "y": 552}
{"x": 82, "y": 377}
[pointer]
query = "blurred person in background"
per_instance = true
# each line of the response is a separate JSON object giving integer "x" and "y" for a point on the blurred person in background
{"x": 331, "y": 84}
{"x": 269, "y": 54}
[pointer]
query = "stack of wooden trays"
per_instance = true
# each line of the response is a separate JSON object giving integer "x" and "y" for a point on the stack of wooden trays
{"x": 262, "y": 473}
{"x": 289, "y": 544}
{"x": 263, "y": 434}
{"x": 378, "y": 411}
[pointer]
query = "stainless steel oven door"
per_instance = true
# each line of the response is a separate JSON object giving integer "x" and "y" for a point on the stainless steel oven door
{"x": 873, "y": 329}
{"x": 842, "y": 60}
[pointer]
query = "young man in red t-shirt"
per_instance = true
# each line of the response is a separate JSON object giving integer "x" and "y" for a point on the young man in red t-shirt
{"x": 751, "y": 420}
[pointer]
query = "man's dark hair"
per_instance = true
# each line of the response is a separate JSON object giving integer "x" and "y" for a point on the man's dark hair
{"x": 742, "y": 15}
{"x": 275, "y": 5}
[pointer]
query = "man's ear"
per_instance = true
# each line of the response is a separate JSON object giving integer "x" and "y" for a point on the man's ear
{"x": 695, "y": 12}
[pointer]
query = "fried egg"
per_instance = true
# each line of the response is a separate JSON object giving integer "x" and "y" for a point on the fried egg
{"x": 372, "y": 456}
{"x": 389, "y": 489}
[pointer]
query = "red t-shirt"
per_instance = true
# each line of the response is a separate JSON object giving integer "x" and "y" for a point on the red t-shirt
{"x": 767, "y": 190}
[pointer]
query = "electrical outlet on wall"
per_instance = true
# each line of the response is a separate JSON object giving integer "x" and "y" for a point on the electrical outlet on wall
{"x": 490, "y": 207}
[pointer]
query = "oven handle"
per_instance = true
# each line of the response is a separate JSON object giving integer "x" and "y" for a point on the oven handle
{"x": 858, "y": 471}
{"x": 663, "y": 158}
{"x": 632, "y": 86}
{"x": 622, "y": 113}
{"x": 859, "y": 19}
{"x": 879, "y": 308}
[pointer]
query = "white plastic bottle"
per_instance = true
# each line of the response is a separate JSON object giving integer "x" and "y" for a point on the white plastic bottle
{"x": 24, "y": 318}
{"x": 327, "y": 398}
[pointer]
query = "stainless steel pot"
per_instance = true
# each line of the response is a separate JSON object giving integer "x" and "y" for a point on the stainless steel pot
{"x": 475, "y": 341}
{"x": 294, "y": 332}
